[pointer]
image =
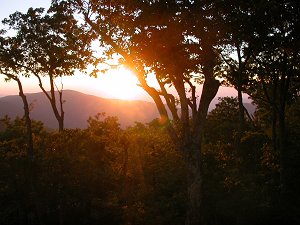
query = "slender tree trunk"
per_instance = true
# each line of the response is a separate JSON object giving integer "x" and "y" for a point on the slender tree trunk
{"x": 59, "y": 118}
{"x": 240, "y": 96}
{"x": 62, "y": 113}
{"x": 30, "y": 153}
{"x": 241, "y": 110}
{"x": 60, "y": 124}
{"x": 27, "y": 121}
{"x": 59, "y": 115}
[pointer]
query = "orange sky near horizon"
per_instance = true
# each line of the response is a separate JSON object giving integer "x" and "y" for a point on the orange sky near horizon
{"x": 116, "y": 84}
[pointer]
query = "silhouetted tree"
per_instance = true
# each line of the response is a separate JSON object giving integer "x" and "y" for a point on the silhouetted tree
{"x": 275, "y": 69}
{"x": 13, "y": 73}
{"x": 47, "y": 45}
{"x": 177, "y": 41}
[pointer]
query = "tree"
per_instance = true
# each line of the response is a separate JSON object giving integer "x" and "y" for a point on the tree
{"x": 223, "y": 121}
{"x": 237, "y": 51}
{"x": 30, "y": 148}
{"x": 265, "y": 38}
{"x": 47, "y": 45}
{"x": 13, "y": 73}
{"x": 177, "y": 42}
{"x": 275, "y": 69}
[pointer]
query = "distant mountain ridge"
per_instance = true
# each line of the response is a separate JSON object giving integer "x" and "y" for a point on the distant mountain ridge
{"x": 79, "y": 107}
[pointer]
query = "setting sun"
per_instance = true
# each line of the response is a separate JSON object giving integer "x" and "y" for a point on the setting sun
{"x": 120, "y": 83}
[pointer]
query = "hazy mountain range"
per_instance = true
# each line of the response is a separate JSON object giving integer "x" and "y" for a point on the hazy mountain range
{"x": 79, "y": 107}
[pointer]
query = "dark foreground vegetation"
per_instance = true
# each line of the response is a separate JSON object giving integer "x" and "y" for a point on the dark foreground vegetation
{"x": 106, "y": 175}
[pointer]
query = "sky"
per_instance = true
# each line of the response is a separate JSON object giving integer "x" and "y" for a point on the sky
{"x": 115, "y": 84}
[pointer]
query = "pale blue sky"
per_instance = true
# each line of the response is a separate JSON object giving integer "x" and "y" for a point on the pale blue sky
{"x": 10, "y": 6}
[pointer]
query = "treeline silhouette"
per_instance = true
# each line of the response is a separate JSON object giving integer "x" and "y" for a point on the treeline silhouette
{"x": 108, "y": 175}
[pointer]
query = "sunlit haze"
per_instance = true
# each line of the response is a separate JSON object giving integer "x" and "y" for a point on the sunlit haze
{"x": 118, "y": 83}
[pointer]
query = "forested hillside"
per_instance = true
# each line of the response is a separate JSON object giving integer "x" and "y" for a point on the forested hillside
{"x": 108, "y": 175}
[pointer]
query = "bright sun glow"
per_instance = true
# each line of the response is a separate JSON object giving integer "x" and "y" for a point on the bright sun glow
{"x": 120, "y": 83}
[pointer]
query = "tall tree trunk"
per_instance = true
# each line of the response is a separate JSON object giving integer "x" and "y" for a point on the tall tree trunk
{"x": 274, "y": 108}
{"x": 283, "y": 153}
{"x": 241, "y": 110}
{"x": 240, "y": 95}
{"x": 31, "y": 173}
{"x": 283, "y": 87}
{"x": 195, "y": 211}
{"x": 30, "y": 150}
{"x": 195, "y": 206}
{"x": 274, "y": 129}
